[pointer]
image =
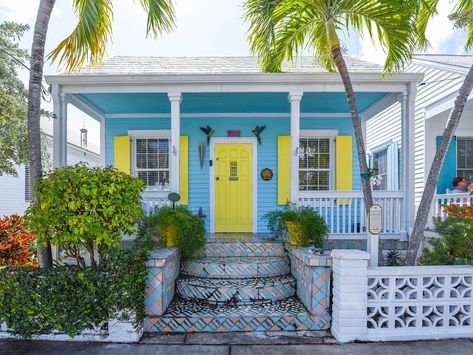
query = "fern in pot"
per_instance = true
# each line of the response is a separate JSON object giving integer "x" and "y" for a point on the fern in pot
{"x": 303, "y": 226}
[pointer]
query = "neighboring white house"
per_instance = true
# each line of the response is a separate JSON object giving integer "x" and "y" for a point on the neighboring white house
{"x": 444, "y": 75}
{"x": 15, "y": 192}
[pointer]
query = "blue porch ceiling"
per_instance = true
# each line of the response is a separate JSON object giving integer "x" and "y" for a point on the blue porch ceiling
{"x": 145, "y": 103}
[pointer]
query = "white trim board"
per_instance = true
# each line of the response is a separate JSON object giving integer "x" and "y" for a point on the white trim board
{"x": 235, "y": 140}
{"x": 231, "y": 115}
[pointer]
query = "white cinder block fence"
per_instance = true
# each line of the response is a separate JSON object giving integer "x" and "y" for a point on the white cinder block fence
{"x": 399, "y": 303}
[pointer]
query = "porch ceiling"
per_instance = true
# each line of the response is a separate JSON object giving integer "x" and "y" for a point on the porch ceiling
{"x": 149, "y": 103}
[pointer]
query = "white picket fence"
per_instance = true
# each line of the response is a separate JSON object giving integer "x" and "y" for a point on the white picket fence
{"x": 152, "y": 202}
{"x": 345, "y": 213}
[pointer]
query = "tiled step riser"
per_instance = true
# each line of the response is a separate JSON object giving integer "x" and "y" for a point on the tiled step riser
{"x": 214, "y": 293}
{"x": 251, "y": 269}
{"x": 222, "y": 249}
{"x": 237, "y": 324}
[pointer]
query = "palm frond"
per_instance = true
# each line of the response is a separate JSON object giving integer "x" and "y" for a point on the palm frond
{"x": 427, "y": 9}
{"x": 89, "y": 39}
{"x": 462, "y": 17}
{"x": 161, "y": 16}
{"x": 391, "y": 22}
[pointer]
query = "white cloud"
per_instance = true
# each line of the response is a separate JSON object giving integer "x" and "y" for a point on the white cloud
{"x": 19, "y": 10}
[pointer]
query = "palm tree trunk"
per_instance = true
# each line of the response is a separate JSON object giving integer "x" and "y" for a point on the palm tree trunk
{"x": 431, "y": 184}
{"x": 34, "y": 107}
{"x": 355, "y": 117}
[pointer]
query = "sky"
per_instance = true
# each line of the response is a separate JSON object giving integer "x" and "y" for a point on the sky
{"x": 204, "y": 28}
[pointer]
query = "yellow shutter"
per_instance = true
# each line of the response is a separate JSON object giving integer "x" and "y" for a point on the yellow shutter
{"x": 284, "y": 169}
{"x": 122, "y": 153}
{"x": 344, "y": 163}
{"x": 184, "y": 170}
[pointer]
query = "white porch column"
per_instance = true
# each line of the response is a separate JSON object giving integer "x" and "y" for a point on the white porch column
{"x": 408, "y": 153}
{"x": 175, "y": 99}
{"x": 59, "y": 128}
{"x": 295, "y": 100}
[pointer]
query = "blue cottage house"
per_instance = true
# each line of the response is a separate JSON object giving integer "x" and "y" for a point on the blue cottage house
{"x": 237, "y": 142}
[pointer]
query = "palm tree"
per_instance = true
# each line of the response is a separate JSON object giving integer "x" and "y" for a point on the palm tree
{"x": 462, "y": 16}
{"x": 86, "y": 43}
{"x": 280, "y": 29}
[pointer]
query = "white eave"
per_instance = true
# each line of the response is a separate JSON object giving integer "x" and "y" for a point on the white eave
{"x": 283, "y": 81}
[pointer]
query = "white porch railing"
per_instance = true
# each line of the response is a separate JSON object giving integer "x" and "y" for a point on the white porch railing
{"x": 446, "y": 199}
{"x": 344, "y": 211}
{"x": 151, "y": 202}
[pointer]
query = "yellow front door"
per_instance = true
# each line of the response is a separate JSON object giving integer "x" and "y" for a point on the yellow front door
{"x": 233, "y": 188}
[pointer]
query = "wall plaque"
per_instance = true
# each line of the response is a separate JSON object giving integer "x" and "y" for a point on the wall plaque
{"x": 375, "y": 220}
{"x": 266, "y": 174}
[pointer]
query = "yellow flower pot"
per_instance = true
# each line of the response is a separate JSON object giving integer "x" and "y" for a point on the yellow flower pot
{"x": 169, "y": 235}
{"x": 294, "y": 233}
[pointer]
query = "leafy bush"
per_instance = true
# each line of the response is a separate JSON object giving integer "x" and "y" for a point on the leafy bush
{"x": 314, "y": 228}
{"x": 82, "y": 207}
{"x": 69, "y": 299}
{"x": 16, "y": 243}
{"x": 455, "y": 245}
{"x": 175, "y": 227}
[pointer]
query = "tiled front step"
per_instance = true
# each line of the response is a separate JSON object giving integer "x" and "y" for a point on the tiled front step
{"x": 219, "y": 248}
{"x": 236, "y": 291}
{"x": 188, "y": 316}
{"x": 236, "y": 267}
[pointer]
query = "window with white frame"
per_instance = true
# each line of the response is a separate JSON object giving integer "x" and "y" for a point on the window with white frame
{"x": 465, "y": 157}
{"x": 380, "y": 163}
{"x": 315, "y": 166}
{"x": 152, "y": 162}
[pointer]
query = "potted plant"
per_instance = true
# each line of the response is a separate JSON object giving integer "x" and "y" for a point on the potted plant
{"x": 176, "y": 227}
{"x": 303, "y": 226}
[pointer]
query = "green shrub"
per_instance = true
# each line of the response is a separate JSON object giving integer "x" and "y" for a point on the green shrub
{"x": 314, "y": 228}
{"x": 455, "y": 244}
{"x": 175, "y": 227}
{"x": 82, "y": 207}
{"x": 69, "y": 299}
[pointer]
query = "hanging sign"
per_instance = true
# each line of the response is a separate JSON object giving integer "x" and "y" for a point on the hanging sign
{"x": 375, "y": 220}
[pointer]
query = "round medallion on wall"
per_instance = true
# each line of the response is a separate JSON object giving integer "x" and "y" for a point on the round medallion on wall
{"x": 266, "y": 174}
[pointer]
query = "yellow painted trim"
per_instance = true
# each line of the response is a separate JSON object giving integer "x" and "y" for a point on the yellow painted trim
{"x": 284, "y": 169}
{"x": 344, "y": 165}
{"x": 184, "y": 170}
{"x": 122, "y": 153}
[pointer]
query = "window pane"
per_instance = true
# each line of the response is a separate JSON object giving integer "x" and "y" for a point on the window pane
{"x": 164, "y": 180}
{"x": 163, "y": 161}
{"x": 164, "y": 146}
{"x": 313, "y": 162}
{"x": 143, "y": 175}
{"x": 303, "y": 180}
{"x": 461, "y": 153}
{"x": 312, "y": 180}
{"x": 141, "y": 161}
{"x": 152, "y": 146}
{"x": 153, "y": 181}
{"x": 324, "y": 161}
{"x": 324, "y": 180}
{"x": 302, "y": 155}
{"x": 152, "y": 161}
{"x": 141, "y": 146}
{"x": 324, "y": 146}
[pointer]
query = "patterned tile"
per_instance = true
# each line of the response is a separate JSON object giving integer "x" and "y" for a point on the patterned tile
{"x": 188, "y": 316}
{"x": 243, "y": 249}
{"x": 236, "y": 291}
{"x": 236, "y": 267}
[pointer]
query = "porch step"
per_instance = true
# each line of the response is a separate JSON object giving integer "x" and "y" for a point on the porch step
{"x": 236, "y": 267}
{"x": 221, "y": 248}
{"x": 191, "y": 316}
{"x": 236, "y": 291}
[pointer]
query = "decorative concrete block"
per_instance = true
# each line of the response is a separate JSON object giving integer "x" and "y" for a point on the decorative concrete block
{"x": 350, "y": 275}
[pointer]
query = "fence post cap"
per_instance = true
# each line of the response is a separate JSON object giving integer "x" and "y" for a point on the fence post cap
{"x": 350, "y": 254}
